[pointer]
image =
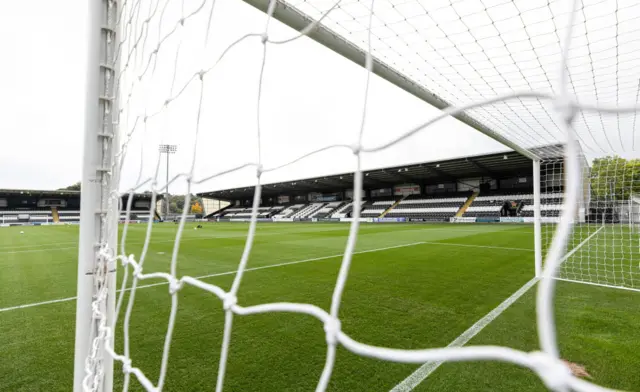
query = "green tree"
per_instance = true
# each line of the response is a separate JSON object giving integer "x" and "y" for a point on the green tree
{"x": 74, "y": 187}
{"x": 176, "y": 204}
{"x": 615, "y": 178}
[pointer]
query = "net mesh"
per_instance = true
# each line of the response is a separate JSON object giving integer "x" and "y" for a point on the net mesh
{"x": 464, "y": 51}
{"x": 604, "y": 248}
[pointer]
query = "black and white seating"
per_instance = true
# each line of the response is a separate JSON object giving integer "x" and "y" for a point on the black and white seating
{"x": 307, "y": 210}
{"x": 21, "y": 216}
{"x": 326, "y": 210}
{"x": 490, "y": 206}
{"x": 436, "y": 208}
{"x": 343, "y": 211}
{"x": 288, "y": 211}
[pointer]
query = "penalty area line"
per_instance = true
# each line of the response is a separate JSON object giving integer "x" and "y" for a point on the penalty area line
{"x": 424, "y": 371}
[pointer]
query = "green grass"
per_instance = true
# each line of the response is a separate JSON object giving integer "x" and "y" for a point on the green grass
{"x": 408, "y": 297}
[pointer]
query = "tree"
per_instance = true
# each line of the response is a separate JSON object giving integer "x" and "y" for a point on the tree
{"x": 615, "y": 178}
{"x": 74, "y": 187}
{"x": 196, "y": 208}
{"x": 176, "y": 204}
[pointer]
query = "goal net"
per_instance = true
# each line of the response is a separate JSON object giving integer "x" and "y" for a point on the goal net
{"x": 604, "y": 248}
{"x": 525, "y": 73}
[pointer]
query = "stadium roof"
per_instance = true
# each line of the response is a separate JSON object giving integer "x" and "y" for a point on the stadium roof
{"x": 52, "y": 193}
{"x": 498, "y": 165}
{"x": 36, "y": 192}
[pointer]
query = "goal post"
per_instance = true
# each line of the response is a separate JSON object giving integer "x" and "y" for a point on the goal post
{"x": 99, "y": 206}
{"x": 537, "y": 223}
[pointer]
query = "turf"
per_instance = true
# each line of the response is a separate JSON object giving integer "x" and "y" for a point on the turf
{"x": 421, "y": 295}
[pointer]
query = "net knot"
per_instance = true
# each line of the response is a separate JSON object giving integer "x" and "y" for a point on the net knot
{"x": 264, "y": 38}
{"x": 105, "y": 252}
{"x": 552, "y": 371}
{"x": 175, "y": 285}
{"x": 566, "y": 108}
{"x": 259, "y": 170}
{"x": 356, "y": 148}
{"x": 126, "y": 366}
{"x": 127, "y": 260}
{"x": 137, "y": 270}
{"x": 229, "y": 301}
{"x": 331, "y": 329}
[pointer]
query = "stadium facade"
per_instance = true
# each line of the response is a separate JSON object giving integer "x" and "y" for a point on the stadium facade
{"x": 20, "y": 207}
{"x": 484, "y": 188}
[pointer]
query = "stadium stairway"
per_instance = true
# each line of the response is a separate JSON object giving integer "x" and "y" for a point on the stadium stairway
{"x": 210, "y": 215}
{"x": 466, "y": 204}
{"x": 392, "y": 207}
{"x": 54, "y": 214}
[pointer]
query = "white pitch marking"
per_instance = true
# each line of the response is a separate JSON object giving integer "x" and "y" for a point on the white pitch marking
{"x": 198, "y": 238}
{"x": 274, "y": 265}
{"x": 479, "y": 246}
{"x": 409, "y": 383}
{"x": 425, "y": 370}
{"x": 218, "y": 274}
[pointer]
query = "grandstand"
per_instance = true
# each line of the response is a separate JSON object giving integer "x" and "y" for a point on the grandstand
{"x": 38, "y": 207}
{"x": 484, "y": 188}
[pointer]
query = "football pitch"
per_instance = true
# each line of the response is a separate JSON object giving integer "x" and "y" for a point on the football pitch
{"x": 410, "y": 286}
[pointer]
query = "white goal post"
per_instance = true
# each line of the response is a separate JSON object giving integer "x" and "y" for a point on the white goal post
{"x": 584, "y": 225}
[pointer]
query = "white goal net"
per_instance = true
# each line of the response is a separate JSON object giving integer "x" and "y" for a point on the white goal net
{"x": 604, "y": 248}
{"x": 527, "y": 73}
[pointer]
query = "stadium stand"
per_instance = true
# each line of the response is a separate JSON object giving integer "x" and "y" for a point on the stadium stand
{"x": 550, "y": 205}
{"x": 288, "y": 211}
{"x": 510, "y": 203}
{"x": 31, "y": 215}
{"x": 326, "y": 210}
{"x": 376, "y": 207}
{"x": 219, "y": 213}
{"x": 34, "y": 207}
{"x": 475, "y": 186}
{"x": 306, "y": 211}
{"x": 343, "y": 211}
{"x": 70, "y": 216}
{"x": 430, "y": 208}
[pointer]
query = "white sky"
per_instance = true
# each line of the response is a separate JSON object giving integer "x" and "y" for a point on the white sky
{"x": 312, "y": 98}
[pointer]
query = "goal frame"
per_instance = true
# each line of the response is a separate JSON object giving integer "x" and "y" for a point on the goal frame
{"x": 100, "y": 140}
{"x": 100, "y": 195}
{"x": 99, "y": 200}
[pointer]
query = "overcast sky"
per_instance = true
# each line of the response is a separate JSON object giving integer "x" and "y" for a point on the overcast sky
{"x": 311, "y": 98}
